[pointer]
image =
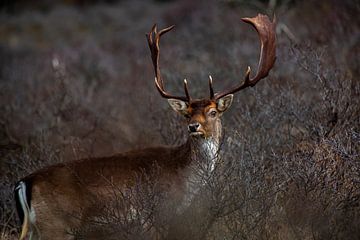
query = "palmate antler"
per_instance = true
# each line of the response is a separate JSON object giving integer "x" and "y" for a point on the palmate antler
{"x": 266, "y": 32}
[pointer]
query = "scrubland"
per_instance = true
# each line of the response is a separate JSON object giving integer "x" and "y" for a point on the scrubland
{"x": 76, "y": 81}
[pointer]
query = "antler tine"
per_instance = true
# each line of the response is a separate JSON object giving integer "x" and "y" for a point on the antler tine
{"x": 186, "y": 89}
{"x": 211, "y": 87}
{"x": 153, "y": 38}
{"x": 266, "y": 32}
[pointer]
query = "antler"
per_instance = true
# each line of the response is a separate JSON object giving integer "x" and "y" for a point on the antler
{"x": 153, "y": 38}
{"x": 266, "y": 31}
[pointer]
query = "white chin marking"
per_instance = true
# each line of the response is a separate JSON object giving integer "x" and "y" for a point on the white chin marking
{"x": 196, "y": 134}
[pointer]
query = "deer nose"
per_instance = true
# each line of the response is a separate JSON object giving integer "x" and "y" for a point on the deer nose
{"x": 193, "y": 127}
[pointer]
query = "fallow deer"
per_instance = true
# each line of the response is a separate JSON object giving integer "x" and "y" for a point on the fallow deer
{"x": 45, "y": 197}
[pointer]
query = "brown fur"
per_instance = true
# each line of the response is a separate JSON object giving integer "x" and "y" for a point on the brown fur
{"x": 62, "y": 194}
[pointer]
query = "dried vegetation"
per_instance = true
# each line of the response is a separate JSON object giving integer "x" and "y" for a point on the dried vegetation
{"x": 76, "y": 81}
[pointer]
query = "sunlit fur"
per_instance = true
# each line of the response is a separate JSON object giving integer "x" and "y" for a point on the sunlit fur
{"x": 200, "y": 112}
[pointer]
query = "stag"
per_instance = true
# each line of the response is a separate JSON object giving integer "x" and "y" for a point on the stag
{"x": 46, "y": 197}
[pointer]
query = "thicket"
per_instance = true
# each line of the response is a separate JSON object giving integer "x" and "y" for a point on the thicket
{"x": 78, "y": 82}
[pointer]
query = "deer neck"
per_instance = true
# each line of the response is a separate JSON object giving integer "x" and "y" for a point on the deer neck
{"x": 204, "y": 151}
{"x": 202, "y": 161}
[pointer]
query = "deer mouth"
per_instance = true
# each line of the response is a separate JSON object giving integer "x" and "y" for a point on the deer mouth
{"x": 196, "y": 134}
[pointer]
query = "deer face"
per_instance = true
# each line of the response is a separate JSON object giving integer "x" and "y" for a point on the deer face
{"x": 203, "y": 115}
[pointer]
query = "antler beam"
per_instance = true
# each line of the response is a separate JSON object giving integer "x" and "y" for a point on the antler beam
{"x": 153, "y": 38}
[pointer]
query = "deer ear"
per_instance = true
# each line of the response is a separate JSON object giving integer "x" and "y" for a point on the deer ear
{"x": 225, "y": 102}
{"x": 178, "y": 105}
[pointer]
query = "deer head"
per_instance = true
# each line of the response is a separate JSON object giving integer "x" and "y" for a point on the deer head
{"x": 204, "y": 114}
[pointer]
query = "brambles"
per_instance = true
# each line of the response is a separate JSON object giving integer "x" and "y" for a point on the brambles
{"x": 290, "y": 154}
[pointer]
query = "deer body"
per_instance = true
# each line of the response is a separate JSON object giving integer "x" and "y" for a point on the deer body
{"x": 63, "y": 194}
{"x": 54, "y": 200}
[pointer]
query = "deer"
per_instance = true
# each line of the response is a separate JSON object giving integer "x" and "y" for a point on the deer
{"x": 44, "y": 197}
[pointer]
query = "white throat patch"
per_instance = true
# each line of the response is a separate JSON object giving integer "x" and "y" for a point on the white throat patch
{"x": 205, "y": 156}
{"x": 210, "y": 149}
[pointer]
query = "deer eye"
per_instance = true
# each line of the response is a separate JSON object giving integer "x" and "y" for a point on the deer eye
{"x": 212, "y": 113}
{"x": 187, "y": 116}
